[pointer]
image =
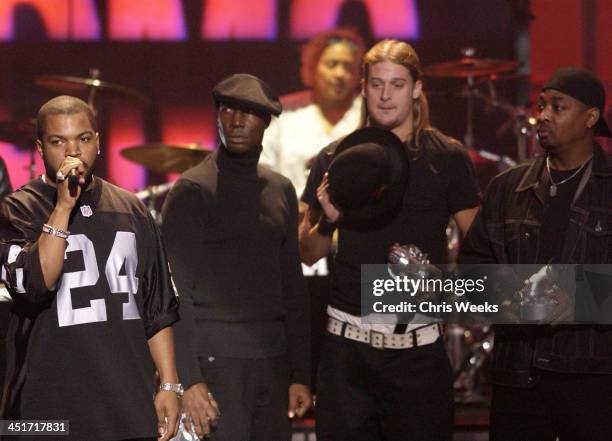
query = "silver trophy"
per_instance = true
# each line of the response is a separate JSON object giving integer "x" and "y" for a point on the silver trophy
{"x": 409, "y": 261}
{"x": 535, "y": 306}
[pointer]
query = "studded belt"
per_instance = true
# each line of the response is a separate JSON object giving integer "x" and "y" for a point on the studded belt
{"x": 424, "y": 335}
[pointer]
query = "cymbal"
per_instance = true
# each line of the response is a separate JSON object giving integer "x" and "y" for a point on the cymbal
{"x": 503, "y": 77}
{"x": 154, "y": 191}
{"x": 165, "y": 158}
{"x": 470, "y": 66}
{"x": 69, "y": 84}
{"x": 21, "y": 133}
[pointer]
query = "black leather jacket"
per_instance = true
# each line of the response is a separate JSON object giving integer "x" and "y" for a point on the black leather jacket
{"x": 506, "y": 230}
{"x": 5, "y": 183}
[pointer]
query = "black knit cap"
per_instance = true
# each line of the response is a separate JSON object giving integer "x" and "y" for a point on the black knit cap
{"x": 247, "y": 91}
{"x": 584, "y": 86}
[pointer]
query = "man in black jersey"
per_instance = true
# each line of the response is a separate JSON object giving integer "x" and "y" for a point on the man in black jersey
{"x": 552, "y": 382}
{"x": 399, "y": 385}
{"x": 230, "y": 226}
{"x": 93, "y": 300}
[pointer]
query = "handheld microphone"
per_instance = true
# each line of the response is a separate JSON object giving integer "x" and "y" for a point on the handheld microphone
{"x": 73, "y": 182}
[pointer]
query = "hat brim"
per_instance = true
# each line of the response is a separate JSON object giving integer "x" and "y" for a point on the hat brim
{"x": 383, "y": 211}
{"x": 248, "y": 105}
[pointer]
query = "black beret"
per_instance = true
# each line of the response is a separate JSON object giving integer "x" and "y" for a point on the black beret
{"x": 584, "y": 86}
{"x": 249, "y": 91}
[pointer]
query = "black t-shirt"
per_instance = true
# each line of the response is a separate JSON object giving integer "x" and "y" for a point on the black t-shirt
{"x": 442, "y": 182}
{"x": 556, "y": 215}
{"x": 80, "y": 352}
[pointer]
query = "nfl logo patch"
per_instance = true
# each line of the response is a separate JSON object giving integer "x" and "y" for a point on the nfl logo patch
{"x": 86, "y": 210}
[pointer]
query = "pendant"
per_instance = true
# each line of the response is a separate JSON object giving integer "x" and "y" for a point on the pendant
{"x": 553, "y": 191}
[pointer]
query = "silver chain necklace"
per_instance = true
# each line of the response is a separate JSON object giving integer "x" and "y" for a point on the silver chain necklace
{"x": 553, "y": 184}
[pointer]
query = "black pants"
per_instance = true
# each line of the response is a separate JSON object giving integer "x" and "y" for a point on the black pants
{"x": 252, "y": 395}
{"x": 319, "y": 290}
{"x": 366, "y": 394}
{"x": 572, "y": 407}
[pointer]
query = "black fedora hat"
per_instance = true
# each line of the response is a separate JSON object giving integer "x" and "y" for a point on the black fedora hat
{"x": 368, "y": 176}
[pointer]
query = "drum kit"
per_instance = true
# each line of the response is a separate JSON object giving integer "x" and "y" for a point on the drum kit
{"x": 478, "y": 73}
{"x": 469, "y": 347}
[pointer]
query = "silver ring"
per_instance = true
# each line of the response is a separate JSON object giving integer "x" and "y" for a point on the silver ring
{"x": 60, "y": 176}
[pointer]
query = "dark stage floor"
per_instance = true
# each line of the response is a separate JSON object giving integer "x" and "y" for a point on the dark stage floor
{"x": 471, "y": 424}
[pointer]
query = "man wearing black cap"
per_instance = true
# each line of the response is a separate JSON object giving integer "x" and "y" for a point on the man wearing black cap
{"x": 230, "y": 227}
{"x": 552, "y": 382}
{"x": 395, "y": 180}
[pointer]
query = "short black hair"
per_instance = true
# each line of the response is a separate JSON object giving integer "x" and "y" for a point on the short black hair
{"x": 63, "y": 105}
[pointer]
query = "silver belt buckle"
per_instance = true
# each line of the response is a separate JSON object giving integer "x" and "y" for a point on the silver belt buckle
{"x": 374, "y": 336}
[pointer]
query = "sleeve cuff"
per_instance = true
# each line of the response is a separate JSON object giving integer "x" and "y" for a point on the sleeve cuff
{"x": 162, "y": 321}
{"x": 192, "y": 375}
{"x": 300, "y": 377}
{"x": 465, "y": 206}
{"x": 189, "y": 381}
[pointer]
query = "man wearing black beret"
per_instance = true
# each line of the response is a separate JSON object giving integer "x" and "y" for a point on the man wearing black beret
{"x": 552, "y": 382}
{"x": 230, "y": 227}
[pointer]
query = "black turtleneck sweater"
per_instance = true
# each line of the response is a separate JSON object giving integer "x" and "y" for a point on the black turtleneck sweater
{"x": 230, "y": 229}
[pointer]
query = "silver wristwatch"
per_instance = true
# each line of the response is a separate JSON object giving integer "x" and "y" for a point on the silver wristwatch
{"x": 55, "y": 231}
{"x": 177, "y": 388}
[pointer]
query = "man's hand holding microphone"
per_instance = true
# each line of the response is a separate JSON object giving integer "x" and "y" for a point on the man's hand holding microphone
{"x": 70, "y": 178}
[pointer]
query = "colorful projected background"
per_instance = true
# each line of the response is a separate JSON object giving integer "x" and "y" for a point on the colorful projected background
{"x": 174, "y": 51}
{"x": 157, "y": 20}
